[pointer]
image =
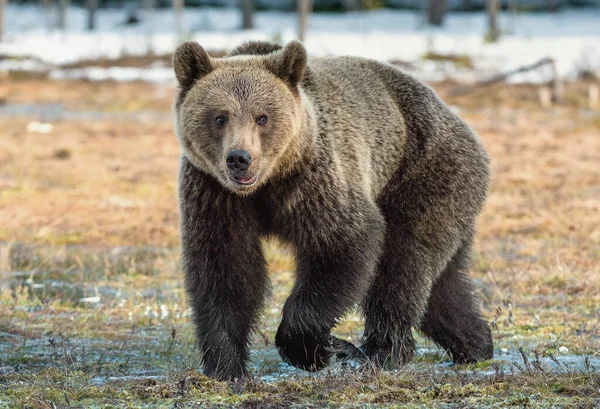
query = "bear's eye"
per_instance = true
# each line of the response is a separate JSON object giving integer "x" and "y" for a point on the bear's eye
{"x": 261, "y": 120}
{"x": 221, "y": 120}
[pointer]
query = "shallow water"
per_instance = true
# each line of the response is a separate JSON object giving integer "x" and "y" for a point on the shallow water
{"x": 148, "y": 357}
{"x": 148, "y": 351}
{"x": 138, "y": 351}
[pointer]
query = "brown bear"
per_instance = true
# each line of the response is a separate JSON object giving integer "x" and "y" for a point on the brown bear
{"x": 371, "y": 179}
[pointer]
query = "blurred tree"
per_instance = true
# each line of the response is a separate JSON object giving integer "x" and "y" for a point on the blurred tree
{"x": 351, "y": 5}
{"x": 247, "y": 14}
{"x": 435, "y": 12}
{"x": 148, "y": 18}
{"x": 47, "y": 6}
{"x": 513, "y": 9}
{"x": 63, "y": 7}
{"x": 2, "y": 7}
{"x": 372, "y": 4}
{"x": 91, "y": 6}
{"x": 304, "y": 9}
{"x": 178, "y": 6}
{"x": 492, "y": 12}
{"x": 354, "y": 5}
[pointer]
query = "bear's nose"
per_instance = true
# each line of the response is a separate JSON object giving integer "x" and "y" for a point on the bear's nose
{"x": 238, "y": 159}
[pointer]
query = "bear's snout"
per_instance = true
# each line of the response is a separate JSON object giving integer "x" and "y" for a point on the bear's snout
{"x": 238, "y": 160}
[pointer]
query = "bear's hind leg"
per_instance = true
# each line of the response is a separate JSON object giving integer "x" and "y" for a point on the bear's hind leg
{"x": 422, "y": 235}
{"x": 453, "y": 318}
{"x": 396, "y": 301}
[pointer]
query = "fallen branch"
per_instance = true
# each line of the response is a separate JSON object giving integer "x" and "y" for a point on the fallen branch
{"x": 502, "y": 77}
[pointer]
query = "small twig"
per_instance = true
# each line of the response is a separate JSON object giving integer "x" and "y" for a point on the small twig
{"x": 525, "y": 360}
{"x": 173, "y": 336}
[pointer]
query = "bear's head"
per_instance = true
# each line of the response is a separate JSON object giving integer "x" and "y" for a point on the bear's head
{"x": 241, "y": 118}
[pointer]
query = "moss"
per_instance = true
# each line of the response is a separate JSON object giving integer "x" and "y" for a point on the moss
{"x": 479, "y": 366}
{"x": 63, "y": 388}
{"x": 396, "y": 395}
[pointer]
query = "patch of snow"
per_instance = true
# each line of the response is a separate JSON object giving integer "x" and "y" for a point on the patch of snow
{"x": 39, "y": 127}
{"x": 150, "y": 74}
{"x": 90, "y": 300}
{"x": 26, "y": 64}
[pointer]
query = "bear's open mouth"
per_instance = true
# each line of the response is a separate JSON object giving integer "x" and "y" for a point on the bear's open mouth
{"x": 244, "y": 181}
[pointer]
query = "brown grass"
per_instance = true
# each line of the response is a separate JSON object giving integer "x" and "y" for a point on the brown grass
{"x": 104, "y": 183}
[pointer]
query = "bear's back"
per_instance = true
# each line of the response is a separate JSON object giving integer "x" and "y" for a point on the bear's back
{"x": 359, "y": 118}
{"x": 385, "y": 116}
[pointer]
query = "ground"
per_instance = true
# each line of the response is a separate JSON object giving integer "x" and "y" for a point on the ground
{"x": 92, "y": 309}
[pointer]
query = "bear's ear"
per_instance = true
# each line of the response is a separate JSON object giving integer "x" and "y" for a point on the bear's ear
{"x": 289, "y": 64}
{"x": 191, "y": 63}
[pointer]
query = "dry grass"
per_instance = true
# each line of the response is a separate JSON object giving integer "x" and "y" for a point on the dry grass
{"x": 67, "y": 198}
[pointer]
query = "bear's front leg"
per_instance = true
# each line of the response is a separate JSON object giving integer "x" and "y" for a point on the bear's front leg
{"x": 225, "y": 271}
{"x": 335, "y": 264}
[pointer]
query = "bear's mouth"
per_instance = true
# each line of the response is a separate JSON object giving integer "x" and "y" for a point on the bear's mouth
{"x": 244, "y": 180}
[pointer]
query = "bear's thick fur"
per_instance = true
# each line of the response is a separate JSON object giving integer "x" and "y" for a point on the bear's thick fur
{"x": 374, "y": 182}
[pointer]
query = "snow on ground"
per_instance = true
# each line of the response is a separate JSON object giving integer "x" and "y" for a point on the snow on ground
{"x": 571, "y": 37}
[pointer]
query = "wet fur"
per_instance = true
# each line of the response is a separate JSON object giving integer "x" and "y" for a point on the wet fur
{"x": 377, "y": 192}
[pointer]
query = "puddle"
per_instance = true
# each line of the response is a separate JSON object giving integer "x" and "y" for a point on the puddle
{"x": 563, "y": 362}
{"x": 146, "y": 355}
{"x": 268, "y": 367}
{"x": 116, "y": 380}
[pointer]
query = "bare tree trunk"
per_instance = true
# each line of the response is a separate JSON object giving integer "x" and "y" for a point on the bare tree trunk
{"x": 247, "y": 14}
{"x": 148, "y": 6}
{"x": 47, "y": 5}
{"x": 423, "y": 6}
{"x": 351, "y": 5}
{"x": 492, "y": 11}
{"x": 558, "y": 88}
{"x": 91, "y": 6}
{"x": 2, "y": 7}
{"x": 512, "y": 9}
{"x": 63, "y": 7}
{"x": 178, "y": 6}
{"x": 435, "y": 12}
{"x": 304, "y": 9}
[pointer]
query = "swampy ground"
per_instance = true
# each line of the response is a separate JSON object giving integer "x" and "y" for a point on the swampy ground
{"x": 92, "y": 310}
